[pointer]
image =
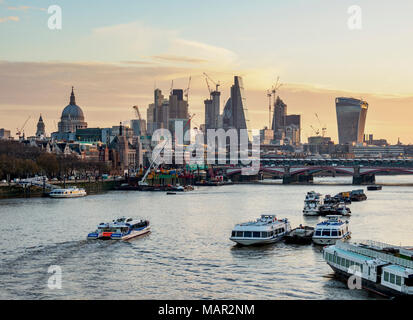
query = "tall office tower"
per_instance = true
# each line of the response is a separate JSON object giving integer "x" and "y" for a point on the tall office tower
{"x": 138, "y": 127}
{"x": 295, "y": 120}
{"x": 150, "y": 119}
{"x": 279, "y": 117}
{"x": 212, "y": 107}
{"x": 178, "y": 107}
{"x": 236, "y": 111}
{"x": 351, "y": 119}
{"x": 161, "y": 111}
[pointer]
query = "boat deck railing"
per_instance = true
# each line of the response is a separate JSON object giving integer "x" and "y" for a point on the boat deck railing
{"x": 375, "y": 254}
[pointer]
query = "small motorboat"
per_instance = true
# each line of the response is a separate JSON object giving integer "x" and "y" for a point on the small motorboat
{"x": 343, "y": 210}
{"x": 120, "y": 229}
{"x": 374, "y": 188}
{"x": 328, "y": 209}
{"x": 300, "y": 235}
{"x": 170, "y": 193}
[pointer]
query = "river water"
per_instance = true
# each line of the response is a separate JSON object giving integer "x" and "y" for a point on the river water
{"x": 188, "y": 254}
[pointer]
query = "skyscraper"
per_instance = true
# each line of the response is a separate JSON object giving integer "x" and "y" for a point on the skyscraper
{"x": 279, "y": 117}
{"x": 178, "y": 107}
{"x": 295, "y": 121}
{"x": 212, "y": 109}
{"x": 236, "y": 112}
{"x": 351, "y": 119}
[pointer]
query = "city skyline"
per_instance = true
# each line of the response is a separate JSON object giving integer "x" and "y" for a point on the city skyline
{"x": 115, "y": 56}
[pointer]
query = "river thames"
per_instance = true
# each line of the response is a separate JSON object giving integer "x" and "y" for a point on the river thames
{"x": 188, "y": 255}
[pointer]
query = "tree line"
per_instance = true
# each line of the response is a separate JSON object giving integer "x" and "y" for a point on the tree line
{"x": 18, "y": 160}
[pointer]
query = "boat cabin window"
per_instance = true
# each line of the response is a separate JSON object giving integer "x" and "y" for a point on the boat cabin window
{"x": 318, "y": 233}
{"x": 326, "y": 233}
{"x": 240, "y": 234}
{"x": 392, "y": 278}
{"x": 256, "y": 234}
{"x": 334, "y": 233}
{"x": 247, "y": 234}
{"x": 408, "y": 282}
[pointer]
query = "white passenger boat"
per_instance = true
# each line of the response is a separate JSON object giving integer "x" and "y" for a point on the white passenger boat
{"x": 72, "y": 192}
{"x": 330, "y": 231}
{"x": 120, "y": 229}
{"x": 378, "y": 267}
{"x": 312, "y": 204}
{"x": 266, "y": 229}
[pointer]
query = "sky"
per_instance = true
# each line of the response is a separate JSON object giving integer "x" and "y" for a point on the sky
{"x": 115, "y": 52}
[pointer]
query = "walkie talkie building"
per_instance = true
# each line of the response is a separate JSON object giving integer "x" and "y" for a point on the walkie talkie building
{"x": 351, "y": 119}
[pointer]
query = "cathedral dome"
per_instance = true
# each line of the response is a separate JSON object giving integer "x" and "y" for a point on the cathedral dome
{"x": 72, "y": 111}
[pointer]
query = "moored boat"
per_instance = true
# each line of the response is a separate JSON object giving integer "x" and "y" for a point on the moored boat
{"x": 343, "y": 210}
{"x": 120, "y": 229}
{"x": 377, "y": 267}
{"x": 374, "y": 188}
{"x": 300, "y": 235}
{"x": 265, "y": 230}
{"x": 72, "y": 192}
{"x": 332, "y": 230}
{"x": 312, "y": 204}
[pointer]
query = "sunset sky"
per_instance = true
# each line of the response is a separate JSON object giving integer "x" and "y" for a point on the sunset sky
{"x": 115, "y": 52}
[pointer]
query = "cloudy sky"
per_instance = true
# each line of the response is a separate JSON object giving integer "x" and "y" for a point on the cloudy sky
{"x": 116, "y": 52}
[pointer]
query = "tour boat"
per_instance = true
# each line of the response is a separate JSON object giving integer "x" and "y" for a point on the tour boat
{"x": 266, "y": 229}
{"x": 120, "y": 229}
{"x": 330, "y": 231}
{"x": 312, "y": 204}
{"x": 72, "y": 192}
{"x": 300, "y": 235}
{"x": 377, "y": 267}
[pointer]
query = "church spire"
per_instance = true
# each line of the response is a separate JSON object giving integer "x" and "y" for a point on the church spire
{"x": 72, "y": 98}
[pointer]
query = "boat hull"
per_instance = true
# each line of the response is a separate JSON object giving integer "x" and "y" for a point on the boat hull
{"x": 368, "y": 285}
{"x": 310, "y": 213}
{"x": 329, "y": 241}
{"x": 55, "y": 196}
{"x": 255, "y": 242}
{"x": 136, "y": 233}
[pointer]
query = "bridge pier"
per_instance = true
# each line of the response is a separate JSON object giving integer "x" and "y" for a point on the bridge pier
{"x": 298, "y": 179}
{"x": 364, "y": 179}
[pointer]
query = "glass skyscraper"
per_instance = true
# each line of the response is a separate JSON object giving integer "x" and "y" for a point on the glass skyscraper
{"x": 351, "y": 119}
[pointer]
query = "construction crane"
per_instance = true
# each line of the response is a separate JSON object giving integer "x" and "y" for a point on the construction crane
{"x": 276, "y": 87}
{"x": 269, "y": 95}
{"x": 172, "y": 87}
{"x": 186, "y": 92}
{"x": 217, "y": 85}
{"x": 189, "y": 121}
{"x": 209, "y": 88}
{"x": 316, "y": 131}
{"x": 20, "y": 131}
{"x": 142, "y": 127}
{"x": 153, "y": 165}
{"x": 323, "y": 128}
